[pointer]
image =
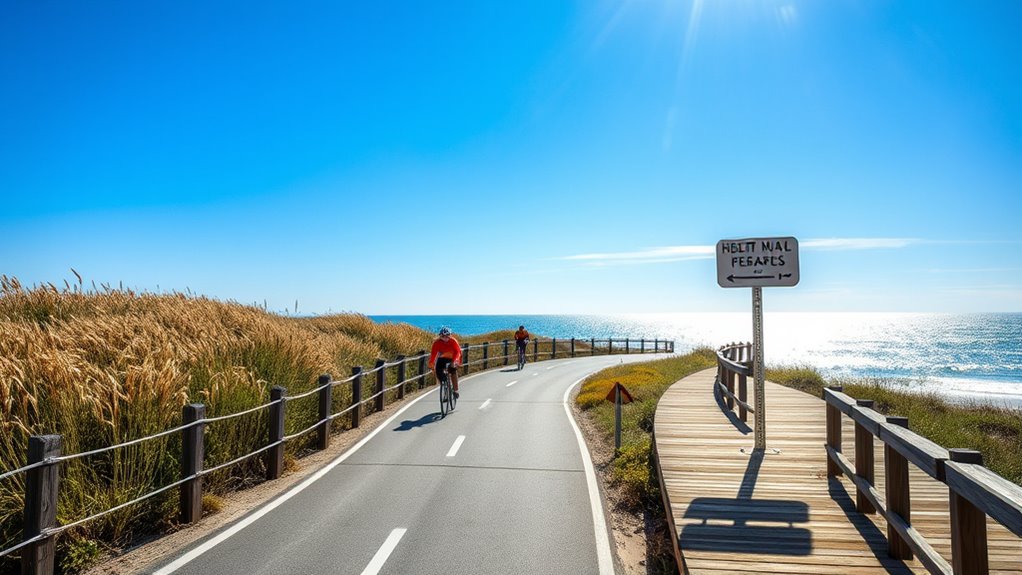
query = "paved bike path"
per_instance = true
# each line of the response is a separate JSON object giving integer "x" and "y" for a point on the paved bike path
{"x": 509, "y": 496}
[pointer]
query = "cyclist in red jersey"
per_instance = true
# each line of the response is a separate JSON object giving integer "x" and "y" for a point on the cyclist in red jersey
{"x": 446, "y": 351}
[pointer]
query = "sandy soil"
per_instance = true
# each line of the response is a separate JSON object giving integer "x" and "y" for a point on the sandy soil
{"x": 629, "y": 529}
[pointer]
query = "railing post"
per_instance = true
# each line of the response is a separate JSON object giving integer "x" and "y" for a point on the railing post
{"x": 381, "y": 384}
{"x": 356, "y": 396}
{"x": 553, "y": 348}
{"x": 535, "y": 350}
{"x": 864, "y": 460}
{"x": 464, "y": 357}
{"x": 897, "y": 492}
{"x": 506, "y": 357}
{"x": 626, "y": 345}
{"x": 325, "y": 403}
{"x": 192, "y": 455}
{"x": 41, "y": 488}
{"x": 731, "y": 377}
{"x": 486, "y": 355}
{"x": 833, "y": 433}
{"x": 401, "y": 377}
{"x": 592, "y": 346}
{"x": 743, "y": 394}
{"x": 642, "y": 345}
{"x": 422, "y": 369}
{"x": 572, "y": 347}
{"x": 275, "y": 455}
{"x": 656, "y": 346}
{"x": 968, "y": 526}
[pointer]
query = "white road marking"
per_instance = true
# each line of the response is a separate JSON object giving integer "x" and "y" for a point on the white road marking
{"x": 512, "y": 383}
{"x": 485, "y": 403}
{"x": 603, "y": 556}
{"x": 551, "y": 367}
{"x": 226, "y": 534}
{"x": 457, "y": 445}
{"x": 384, "y": 552}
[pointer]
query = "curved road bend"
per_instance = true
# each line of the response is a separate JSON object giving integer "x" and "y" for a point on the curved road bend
{"x": 498, "y": 486}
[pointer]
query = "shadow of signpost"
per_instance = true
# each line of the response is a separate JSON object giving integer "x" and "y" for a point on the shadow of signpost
{"x": 747, "y": 525}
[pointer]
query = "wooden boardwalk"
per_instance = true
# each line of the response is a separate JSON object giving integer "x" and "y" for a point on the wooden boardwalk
{"x": 738, "y": 511}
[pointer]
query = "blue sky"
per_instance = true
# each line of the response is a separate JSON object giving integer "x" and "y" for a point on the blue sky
{"x": 525, "y": 157}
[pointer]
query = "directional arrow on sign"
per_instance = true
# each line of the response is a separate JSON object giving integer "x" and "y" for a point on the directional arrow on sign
{"x": 731, "y": 278}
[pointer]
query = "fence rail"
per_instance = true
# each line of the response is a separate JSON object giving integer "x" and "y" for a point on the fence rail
{"x": 42, "y": 477}
{"x": 975, "y": 492}
{"x": 734, "y": 366}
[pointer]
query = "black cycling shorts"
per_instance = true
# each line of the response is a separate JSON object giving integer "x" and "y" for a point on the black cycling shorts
{"x": 442, "y": 363}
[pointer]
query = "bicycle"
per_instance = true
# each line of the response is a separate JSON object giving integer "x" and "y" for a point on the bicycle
{"x": 447, "y": 398}
{"x": 521, "y": 355}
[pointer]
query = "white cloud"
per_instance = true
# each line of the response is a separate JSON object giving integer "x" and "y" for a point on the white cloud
{"x": 667, "y": 254}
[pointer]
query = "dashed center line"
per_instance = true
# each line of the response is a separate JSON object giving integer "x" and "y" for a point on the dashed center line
{"x": 485, "y": 403}
{"x": 457, "y": 445}
{"x": 512, "y": 383}
{"x": 384, "y": 552}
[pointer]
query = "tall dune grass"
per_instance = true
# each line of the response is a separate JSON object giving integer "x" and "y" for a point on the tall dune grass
{"x": 111, "y": 365}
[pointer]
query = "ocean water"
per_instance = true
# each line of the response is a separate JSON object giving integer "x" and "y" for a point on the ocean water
{"x": 960, "y": 356}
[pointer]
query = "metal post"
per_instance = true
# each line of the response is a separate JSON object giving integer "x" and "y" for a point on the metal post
{"x": 41, "y": 488}
{"x": 617, "y": 418}
{"x": 192, "y": 454}
{"x": 275, "y": 456}
{"x": 759, "y": 384}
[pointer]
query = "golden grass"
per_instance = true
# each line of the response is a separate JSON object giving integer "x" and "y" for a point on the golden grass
{"x": 113, "y": 365}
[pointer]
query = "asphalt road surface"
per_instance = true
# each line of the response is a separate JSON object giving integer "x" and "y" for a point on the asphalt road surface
{"x": 501, "y": 485}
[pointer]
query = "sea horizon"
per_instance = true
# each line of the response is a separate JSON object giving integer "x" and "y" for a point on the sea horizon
{"x": 961, "y": 356}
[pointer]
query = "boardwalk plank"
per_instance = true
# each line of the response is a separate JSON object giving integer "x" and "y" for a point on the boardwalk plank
{"x": 736, "y": 511}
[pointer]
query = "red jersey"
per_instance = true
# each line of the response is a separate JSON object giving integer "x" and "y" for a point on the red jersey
{"x": 521, "y": 334}
{"x": 450, "y": 349}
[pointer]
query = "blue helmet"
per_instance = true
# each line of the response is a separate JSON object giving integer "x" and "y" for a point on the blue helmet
{"x": 445, "y": 331}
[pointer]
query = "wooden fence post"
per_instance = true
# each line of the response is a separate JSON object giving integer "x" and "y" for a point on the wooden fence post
{"x": 743, "y": 394}
{"x": 275, "y": 455}
{"x": 401, "y": 377}
{"x": 356, "y": 396}
{"x": 896, "y": 489}
{"x": 627, "y": 350}
{"x": 325, "y": 403}
{"x": 968, "y": 525}
{"x": 422, "y": 369}
{"x": 833, "y": 433}
{"x": 656, "y": 346}
{"x": 642, "y": 345}
{"x": 486, "y": 355}
{"x": 572, "y": 347}
{"x": 864, "y": 460}
{"x": 41, "y": 488}
{"x": 592, "y": 346}
{"x": 506, "y": 358}
{"x": 192, "y": 455}
{"x": 553, "y": 348}
{"x": 535, "y": 350}
{"x": 464, "y": 358}
{"x": 381, "y": 383}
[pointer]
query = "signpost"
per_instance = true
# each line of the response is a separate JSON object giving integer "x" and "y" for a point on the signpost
{"x": 619, "y": 395}
{"x": 758, "y": 263}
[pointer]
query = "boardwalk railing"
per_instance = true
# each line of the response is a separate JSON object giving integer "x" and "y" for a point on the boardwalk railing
{"x": 975, "y": 492}
{"x": 42, "y": 476}
{"x": 734, "y": 367}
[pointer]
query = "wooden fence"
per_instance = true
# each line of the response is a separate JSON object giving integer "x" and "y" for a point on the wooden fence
{"x": 42, "y": 471}
{"x": 975, "y": 492}
{"x": 734, "y": 367}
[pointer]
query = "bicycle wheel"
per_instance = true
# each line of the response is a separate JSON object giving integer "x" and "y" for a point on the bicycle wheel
{"x": 445, "y": 392}
{"x": 451, "y": 399}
